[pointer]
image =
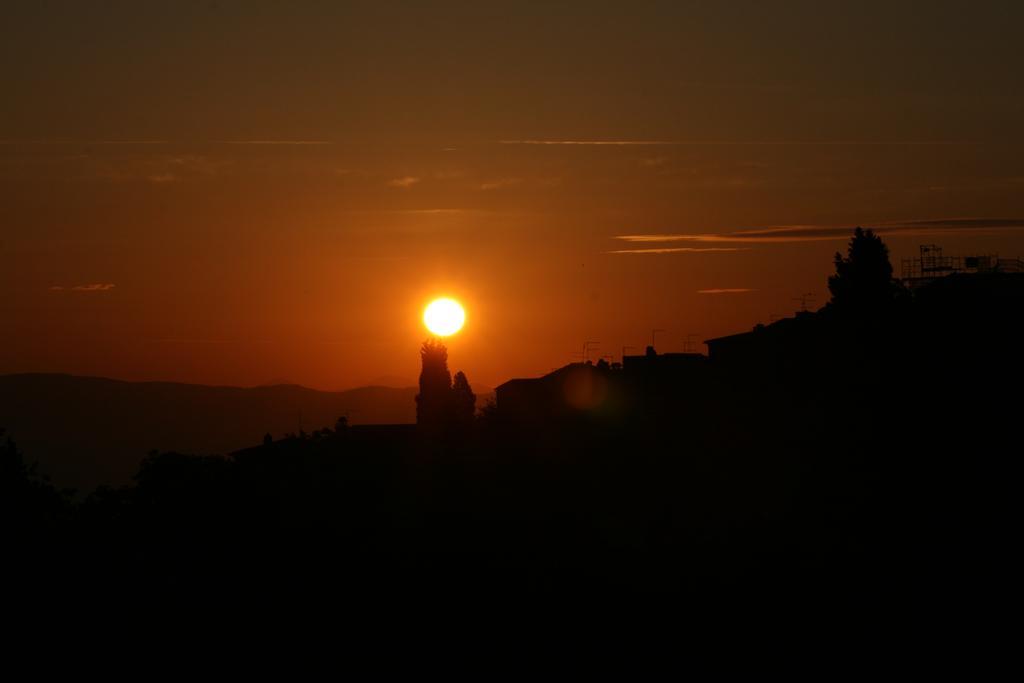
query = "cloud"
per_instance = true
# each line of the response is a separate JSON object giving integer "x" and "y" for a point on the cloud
{"x": 84, "y": 142}
{"x": 500, "y": 183}
{"x": 768, "y": 87}
{"x": 814, "y": 233}
{"x": 959, "y": 224}
{"x": 674, "y": 250}
{"x": 424, "y": 211}
{"x": 593, "y": 143}
{"x": 275, "y": 142}
{"x": 727, "y": 290}
{"x": 94, "y": 287}
{"x": 178, "y": 340}
{"x": 404, "y": 182}
{"x": 736, "y": 143}
{"x": 159, "y": 169}
{"x": 126, "y": 143}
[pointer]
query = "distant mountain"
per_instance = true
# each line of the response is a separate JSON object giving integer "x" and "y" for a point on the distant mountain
{"x": 86, "y": 431}
{"x": 483, "y": 392}
{"x": 392, "y": 381}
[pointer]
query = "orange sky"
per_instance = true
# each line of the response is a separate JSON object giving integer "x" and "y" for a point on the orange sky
{"x": 275, "y": 192}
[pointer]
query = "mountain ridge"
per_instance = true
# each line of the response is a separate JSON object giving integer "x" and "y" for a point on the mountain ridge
{"x": 85, "y": 431}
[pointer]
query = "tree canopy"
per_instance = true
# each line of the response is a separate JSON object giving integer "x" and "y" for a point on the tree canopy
{"x": 433, "y": 403}
{"x": 463, "y": 399}
{"x": 863, "y": 281}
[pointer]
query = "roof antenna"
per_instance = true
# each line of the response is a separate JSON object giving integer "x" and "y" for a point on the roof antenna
{"x": 803, "y": 299}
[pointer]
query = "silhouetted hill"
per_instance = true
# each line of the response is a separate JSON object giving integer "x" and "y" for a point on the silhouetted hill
{"x": 86, "y": 431}
{"x": 855, "y": 463}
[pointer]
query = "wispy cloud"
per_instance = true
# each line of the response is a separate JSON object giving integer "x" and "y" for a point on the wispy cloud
{"x": 180, "y": 340}
{"x": 777, "y": 234}
{"x": 275, "y": 142}
{"x": 449, "y": 174}
{"x": 164, "y": 142}
{"x": 727, "y": 290}
{"x": 593, "y": 143}
{"x": 675, "y": 250}
{"x": 813, "y": 233}
{"x": 85, "y": 142}
{"x": 129, "y": 142}
{"x": 737, "y": 143}
{"x": 159, "y": 169}
{"x": 423, "y": 211}
{"x": 404, "y": 182}
{"x": 93, "y": 287}
{"x": 711, "y": 85}
{"x": 500, "y": 183}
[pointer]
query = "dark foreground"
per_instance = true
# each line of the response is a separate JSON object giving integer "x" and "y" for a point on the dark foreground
{"x": 869, "y": 485}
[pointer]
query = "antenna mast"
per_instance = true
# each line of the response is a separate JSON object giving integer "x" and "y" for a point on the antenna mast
{"x": 654, "y": 334}
{"x": 803, "y": 299}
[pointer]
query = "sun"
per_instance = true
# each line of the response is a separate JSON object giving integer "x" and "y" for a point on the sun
{"x": 444, "y": 317}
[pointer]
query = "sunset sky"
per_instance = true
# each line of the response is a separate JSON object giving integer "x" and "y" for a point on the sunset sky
{"x": 255, "y": 192}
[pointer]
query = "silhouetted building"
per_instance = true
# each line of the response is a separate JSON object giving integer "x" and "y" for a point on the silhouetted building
{"x": 570, "y": 391}
{"x": 584, "y": 389}
{"x": 671, "y": 363}
{"x": 931, "y": 264}
{"x": 765, "y": 342}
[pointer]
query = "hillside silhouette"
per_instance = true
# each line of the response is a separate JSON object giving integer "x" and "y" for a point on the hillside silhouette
{"x": 851, "y": 463}
{"x": 88, "y": 431}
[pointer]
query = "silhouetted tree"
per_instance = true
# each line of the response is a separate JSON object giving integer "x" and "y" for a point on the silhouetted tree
{"x": 463, "y": 399}
{"x": 863, "y": 281}
{"x": 12, "y": 465}
{"x": 489, "y": 412}
{"x": 28, "y": 500}
{"x": 433, "y": 403}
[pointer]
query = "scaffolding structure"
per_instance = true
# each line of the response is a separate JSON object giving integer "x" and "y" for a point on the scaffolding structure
{"x": 932, "y": 264}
